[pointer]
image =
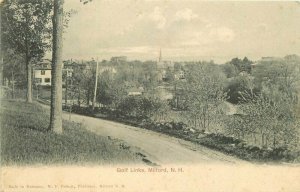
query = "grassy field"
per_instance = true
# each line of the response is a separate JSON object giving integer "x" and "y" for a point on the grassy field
{"x": 26, "y": 141}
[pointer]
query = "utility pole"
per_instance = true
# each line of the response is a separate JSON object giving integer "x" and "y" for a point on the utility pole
{"x": 96, "y": 83}
{"x": 66, "y": 89}
{"x": 13, "y": 84}
{"x": 71, "y": 97}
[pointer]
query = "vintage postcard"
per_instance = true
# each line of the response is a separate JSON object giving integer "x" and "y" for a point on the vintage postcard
{"x": 149, "y": 95}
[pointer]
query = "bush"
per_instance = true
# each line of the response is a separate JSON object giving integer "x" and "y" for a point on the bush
{"x": 139, "y": 107}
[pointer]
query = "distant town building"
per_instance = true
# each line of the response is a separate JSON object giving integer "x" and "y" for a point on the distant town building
{"x": 271, "y": 59}
{"x": 118, "y": 59}
{"x": 265, "y": 60}
{"x": 253, "y": 65}
{"x": 68, "y": 68}
{"x": 42, "y": 70}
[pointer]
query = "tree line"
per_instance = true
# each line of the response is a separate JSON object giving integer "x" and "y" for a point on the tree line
{"x": 265, "y": 95}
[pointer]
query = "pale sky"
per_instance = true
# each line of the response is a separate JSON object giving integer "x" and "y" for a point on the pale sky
{"x": 184, "y": 30}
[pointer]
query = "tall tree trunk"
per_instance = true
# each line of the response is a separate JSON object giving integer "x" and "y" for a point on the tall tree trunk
{"x": 56, "y": 81}
{"x": 88, "y": 98}
{"x": 78, "y": 97}
{"x": 66, "y": 91}
{"x": 29, "y": 80}
{"x": 274, "y": 140}
{"x": 1, "y": 59}
{"x": 266, "y": 140}
{"x": 254, "y": 137}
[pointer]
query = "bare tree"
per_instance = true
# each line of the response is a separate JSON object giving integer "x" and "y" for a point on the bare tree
{"x": 204, "y": 94}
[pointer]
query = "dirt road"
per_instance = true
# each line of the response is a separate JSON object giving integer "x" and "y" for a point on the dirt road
{"x": 158, "y": 148}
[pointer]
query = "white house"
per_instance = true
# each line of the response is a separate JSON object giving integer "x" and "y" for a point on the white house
{"x": 42, "y": 73}
{"x": 135, "y": 91}
{"x": 107, "y": 69}
{"x": 179, "y": 75}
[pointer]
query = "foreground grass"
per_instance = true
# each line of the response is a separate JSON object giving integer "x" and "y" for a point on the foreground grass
{"x": 26, "y": 141}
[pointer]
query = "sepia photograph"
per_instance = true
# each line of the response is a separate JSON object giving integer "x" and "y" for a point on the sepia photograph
{"x": 149, "y": 95}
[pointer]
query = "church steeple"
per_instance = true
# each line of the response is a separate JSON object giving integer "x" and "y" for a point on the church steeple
{"x": 160, "y": 57}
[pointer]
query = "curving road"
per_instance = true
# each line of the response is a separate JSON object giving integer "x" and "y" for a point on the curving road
{"x": 158, "y": 148}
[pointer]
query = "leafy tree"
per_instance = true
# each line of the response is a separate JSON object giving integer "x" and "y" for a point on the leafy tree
{"x": 177, "y": 66}
{"x": 26, "y": 28}
{"x": 111, "y": 90}
{"x": 169, "y": 76}
{"x": 131, "y": 106}
{"x": 230, "y": 70}
{"x": 13, "y": 69}
{"x": 239, "y": 84}
{"x": 149, "y": 75}
{"x": 281, "y": 74}
{"x": 105, "y": 94}
{"x": 144, "y": 107}
{"x": 241, "y": 64}
{"x": 82, "y": 81}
